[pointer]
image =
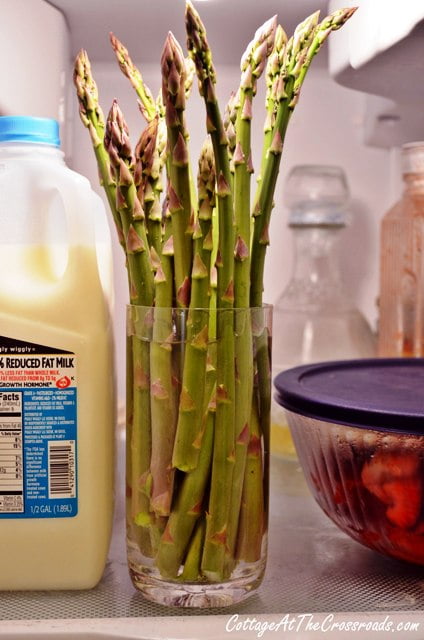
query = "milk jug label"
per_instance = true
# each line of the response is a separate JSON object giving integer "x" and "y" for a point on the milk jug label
{"x": 38, "y": 431}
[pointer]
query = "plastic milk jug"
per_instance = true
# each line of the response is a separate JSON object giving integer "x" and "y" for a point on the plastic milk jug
{"x": 57, "y": 409}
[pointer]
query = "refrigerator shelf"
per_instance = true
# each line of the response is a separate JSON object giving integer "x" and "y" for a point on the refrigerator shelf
{"x": 312, "y": 567}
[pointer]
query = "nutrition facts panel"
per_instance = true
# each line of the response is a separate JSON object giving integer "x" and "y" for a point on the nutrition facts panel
{"x": 11, "y": 453}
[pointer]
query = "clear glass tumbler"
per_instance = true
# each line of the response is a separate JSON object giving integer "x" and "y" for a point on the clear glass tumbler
{"x": 198, "y": 416}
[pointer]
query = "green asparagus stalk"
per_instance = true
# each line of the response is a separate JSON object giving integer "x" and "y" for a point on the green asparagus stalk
{"x": 146, "y": 101}
{"x": 179, "y": 188}
{"x": 229, "y": 121}
{"x": 273, "y": 71}
{"x": 141, "y": 437}
{"x": 163, "y": 397}
{"x": 141, "y": 293}
{"x": 129, "y": 418}
{"x": 298, "y": 54}
{"x": 148, "y": 181}
{"x": 190, "y": 74}
{"x": 252, "y": 520}
{"x": 93, "y": 119}
{"x": 266, "y": 187}
{"x": 189, "y": 505}
{"x": 163, "y": 389}
{"x": 129, "y": 208}
{"x": 148, "y": 107}
{"x": 192, "y": 563}
{"x": 332, "y": 22}
{"x": 206, "y": 179}
{"x": 163, "y": 407}
{"x": 223, "y": 456}
{"x": 253, "y": 63}
{"x": 263, "y": 204}
{"x": 140, "y": 535}
{"x": 189, "y": 434}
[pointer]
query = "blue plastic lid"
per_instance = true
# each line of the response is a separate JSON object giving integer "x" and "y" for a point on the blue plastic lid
{"x": 386, "y": 394}
{"x": 28, "y": 129}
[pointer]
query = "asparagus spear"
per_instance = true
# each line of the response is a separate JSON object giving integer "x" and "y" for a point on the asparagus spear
{"x": 128, "y": 206}
{"x": 163, "y": 408}
{"x": 148, "y": 107}
{"x": 190, "y": 501}
{"x": 192, "y": 570}
{"x": 281, "y": 82}
{"x": 146, "y": 101}
{"x": 92, "y": 117}
{"x": 141, "y": 293}
{"x": 253, "y": 63}
{"x": 332, "y": 22}
{"x": 149, "y": 187}
{"x": 188, "y": 505}
{"x": 252, "y": 513}
{"x": 266, "y": 187}
{"x": 179, "y": 189}
{"x": 163, "y": 398}
{"x": 273, "y": 70}
{"x": 229, "y": 121}
{"x": 299, "y": 52}
{"x": 223, "y": 456}
{"x": 190, "y": 74}
{"x": 188, "y": 441}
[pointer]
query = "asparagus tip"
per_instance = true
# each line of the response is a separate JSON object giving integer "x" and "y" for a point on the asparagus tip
{"x": 310, "y": 22}
{"x": 190, "y": 7}
{"x": 81, "y": 65}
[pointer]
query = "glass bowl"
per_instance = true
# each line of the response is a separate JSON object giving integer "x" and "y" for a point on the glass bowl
{"x": 358, "y": 428}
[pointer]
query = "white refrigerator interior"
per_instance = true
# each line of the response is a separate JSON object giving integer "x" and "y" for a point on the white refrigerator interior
{"x": 362, "y": 99}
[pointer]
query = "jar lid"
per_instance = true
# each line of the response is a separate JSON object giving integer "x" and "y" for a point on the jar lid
{"x": 29, "y": 129}
{"x": 317, "y": 195}
{"x": 386, "y": 394}
{"x": 412, "y": 157}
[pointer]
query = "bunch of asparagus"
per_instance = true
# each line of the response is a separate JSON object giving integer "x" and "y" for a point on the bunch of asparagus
{"x": 198, "y": 379}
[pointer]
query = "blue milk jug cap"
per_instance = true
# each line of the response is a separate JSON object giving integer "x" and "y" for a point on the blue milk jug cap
{"x": 29, "y": 129}
{"x": 381, "y": 393}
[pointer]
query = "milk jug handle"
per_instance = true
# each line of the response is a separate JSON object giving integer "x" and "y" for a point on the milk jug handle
{"x": 76, "y": 202}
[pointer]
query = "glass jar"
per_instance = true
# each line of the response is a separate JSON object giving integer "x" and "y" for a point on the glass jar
{"x": 197, "y": 464}
{"x": 314, "y": 318}
{"x": 401, "y": 300}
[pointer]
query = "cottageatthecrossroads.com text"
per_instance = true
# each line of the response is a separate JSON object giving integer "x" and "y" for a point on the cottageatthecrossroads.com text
{"x": 308, "y": 622}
